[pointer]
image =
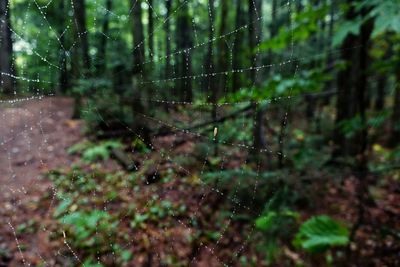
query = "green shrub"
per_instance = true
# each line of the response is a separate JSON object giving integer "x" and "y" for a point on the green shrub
{"x": 90, "y": 233}
{"x": 92, "y": 152}
{"x": 276, "y": 227}
{"x": 273, "y": 221}
{"x": 90, "y": 229}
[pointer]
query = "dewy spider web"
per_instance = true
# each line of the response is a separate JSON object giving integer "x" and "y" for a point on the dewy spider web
{"x": 166, "y": 154}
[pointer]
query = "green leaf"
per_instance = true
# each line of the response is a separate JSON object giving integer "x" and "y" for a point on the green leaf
{"x": 387, "y": 17}
{"x": 126, "y": 255}
{"x": 62, "y": 207}
{"x": 320, "y": 233}
{"x": 264, "y": 223}
{"x": 346, "y": 28}
{"x": 271, "y": 218}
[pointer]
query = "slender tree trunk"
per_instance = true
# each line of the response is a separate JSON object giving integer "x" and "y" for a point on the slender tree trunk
{"x": 150, "y": 28}
{"x": 395, "y": 136}
{"x": 222, "y": 66}
{"x": 330, "y": 59}
{"x": 138, "y": 72}
{"x": 209, "y": 62}
{"x": 168, "y": 6}
{"x": 361, "y": 91}
{"x": 361, "y": 137}
{"x": 255, "y": 9}
{"x": 185, "y": 61}
{"x": 253, "y": 37}
{"x": 6, "y": 50}
{"x": 138, "y": 39}
{"x": 101, "y": 65}
{"x": 317, "y": 39}
{"x": 79, "y": 8}
{"x": 238, "y": 47}
{"x": 222, "y": 48}
{"x": 380, "y": 94}
{"x": 75, "y": 57}
{"x": 345, "y": 90}
{"x": 168, "y": 67}
{"x": 210, "y": 87}
{"x": 63, "y": 79}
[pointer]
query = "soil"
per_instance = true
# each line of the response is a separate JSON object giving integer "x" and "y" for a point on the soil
{"x": 34, "y": 136}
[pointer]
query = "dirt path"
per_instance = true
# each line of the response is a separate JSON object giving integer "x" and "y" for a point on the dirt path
{"x": 34, "y": 136}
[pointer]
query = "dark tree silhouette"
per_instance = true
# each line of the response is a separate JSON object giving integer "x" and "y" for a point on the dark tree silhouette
{"x": 6, "y": 50}
{"x": 79, "y": 8}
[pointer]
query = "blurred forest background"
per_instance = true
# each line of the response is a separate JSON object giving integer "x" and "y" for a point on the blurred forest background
{"x": 201, "y": 132}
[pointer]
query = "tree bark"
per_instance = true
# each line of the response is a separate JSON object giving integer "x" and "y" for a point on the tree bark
{"x": 237, "y": 47}
{"x": 6, "y": 50}
{"x": 138, "y": 74}
{"x": 209, "y": 62}
{"x": 255, "y": 9}
{"x": 352, "y": 89}
{"x": 184, "y": 42}
{"x": 395, "y": 136}
{"x": 222, "y": 66}
{"x": 361, "y": 91}
{"x": 330, "y": 61}
{"x": 63, "y": 79}
{"x": 150, "y": 29}
{"x": 79, "y": 8}
{"x": 101, "y": 65}
{"x": 168, "y": 6}
{"x": 361, "y": 137}
{"x": 345, "y": 84}
{"x": 222, "y": 49}
{"x": 380, "y": 93}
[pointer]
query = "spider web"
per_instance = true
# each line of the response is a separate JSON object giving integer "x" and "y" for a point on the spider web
{"x": 37, "y": 92}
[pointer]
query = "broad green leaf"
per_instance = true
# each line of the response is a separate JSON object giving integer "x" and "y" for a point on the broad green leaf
{"x": 346, "y": 28}
{"x": 320, "y": 233}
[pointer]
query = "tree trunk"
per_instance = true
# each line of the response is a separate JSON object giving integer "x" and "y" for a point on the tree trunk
{"x": 237, "y": 47}
{"x": 222, "y": 67}
{"x": 138, "y": 72}
{"x": 255, "y": 9}
{"x": 352, "y": 89}
{"x": 209, "y": 86}
{"x": 254, "y": 30}
{"x": 361, "y": 137}
{"x": 330, "y": 59}
{"x": 74, "y": 62}
{"x": 101, "y": 65}
{"x": 380, "y": 93}
{"x": 317, "y": 39}
{"x": 185, "y": 59}
{"x": 79, "y": 9}
{"x": 138, "y": 39}
{"x": 63, "y": 79}
{"x": 222, "y": 49}
{"x": 361, "y": 92}
{"x": 168, "y": 5}
{"x": 150, "y": 28}
{"x": 395, "y": 138}
{"x": 209, "y": 62}
{"x": 6, "y": 50}
{"x": 345, "y": 89}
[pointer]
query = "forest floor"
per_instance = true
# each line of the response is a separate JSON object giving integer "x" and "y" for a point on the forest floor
{"x": 34, "y": 136}
{"x": 164, "y": 210}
